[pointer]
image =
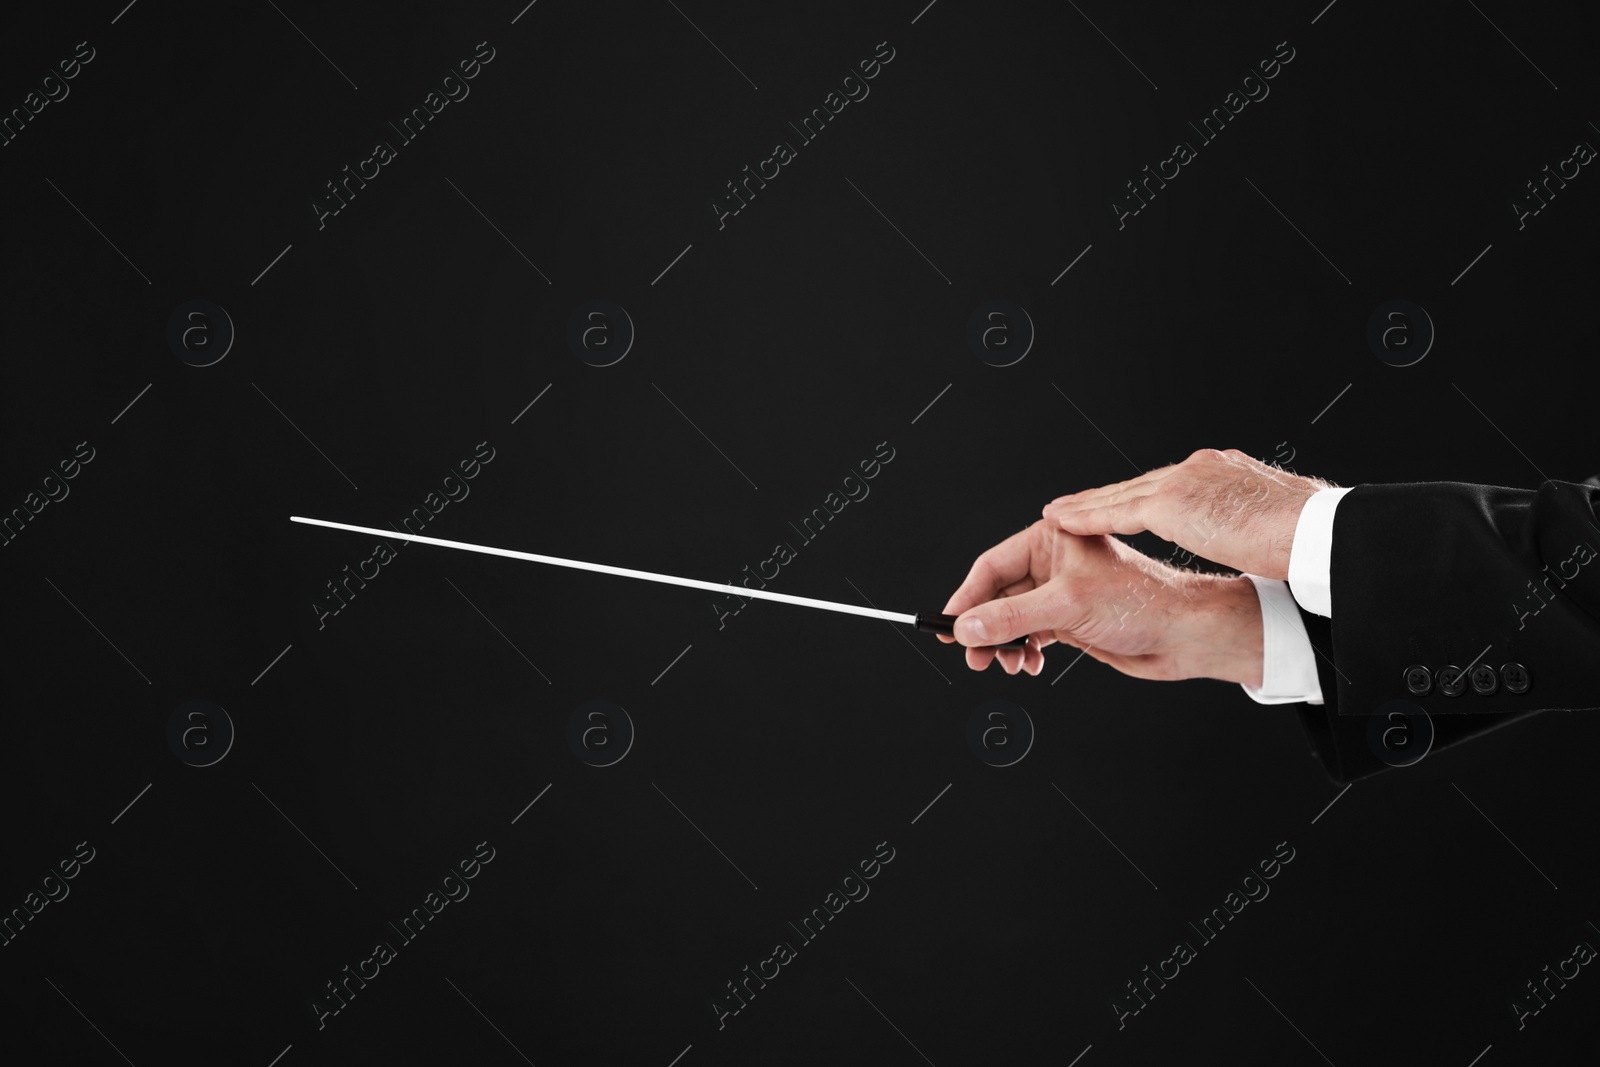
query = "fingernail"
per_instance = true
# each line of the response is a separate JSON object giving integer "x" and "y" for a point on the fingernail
{"x": 973, "y": 632}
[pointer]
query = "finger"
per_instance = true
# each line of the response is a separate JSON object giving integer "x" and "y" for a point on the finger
{"x": 1032, "y": 661}
{"x": 980, "y": 658}
{"x": 1001, "y": 566}
{"x": 1015, "y": 658}
{"x": 1027, "y": 658}
{"x": 1124, "y": 517}
{"x": 1024, "y": 655}
{"x": 1119, "y": 487}
{"x": 1110, "y": 489}
{"x": 1101, "y": 500}
{"x": 1004, "y": 618}
{"x": 1033, "y": 658}
{"x": 1022, "y": 585}
{"x": 1010, "y": 659}
{"x": 1148, "y": 492}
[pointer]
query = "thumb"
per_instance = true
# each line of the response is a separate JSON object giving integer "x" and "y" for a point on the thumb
{"x": 1007, "y": 617}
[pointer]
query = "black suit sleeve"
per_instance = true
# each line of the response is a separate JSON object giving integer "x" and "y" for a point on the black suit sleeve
{"x": 1399, "y": 735}
{"x": 1337, "y": 741}
{"x": 1435, "y": 575}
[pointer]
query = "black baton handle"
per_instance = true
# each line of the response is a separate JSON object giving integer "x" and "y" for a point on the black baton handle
{"x": 931, "y": 623}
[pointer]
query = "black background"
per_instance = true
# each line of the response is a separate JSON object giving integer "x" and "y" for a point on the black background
{"x": 422, "y": 719}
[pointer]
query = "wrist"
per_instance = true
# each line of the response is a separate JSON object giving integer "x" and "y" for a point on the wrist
{"x": 1227, "y": 630}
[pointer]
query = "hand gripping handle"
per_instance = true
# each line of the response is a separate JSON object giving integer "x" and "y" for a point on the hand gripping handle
{"x": 930, "y": 623}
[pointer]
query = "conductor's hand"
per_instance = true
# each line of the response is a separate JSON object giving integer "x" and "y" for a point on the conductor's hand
{"x": 1225, "y": 506}
{"x": 1146, "y": 618}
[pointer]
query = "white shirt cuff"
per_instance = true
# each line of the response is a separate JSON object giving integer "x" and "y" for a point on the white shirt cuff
{"x": 1288, "y": 662}
{"x": 1312, "y": 552}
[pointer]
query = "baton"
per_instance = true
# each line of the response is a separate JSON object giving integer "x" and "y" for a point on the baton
{"x": 926, "y": 621}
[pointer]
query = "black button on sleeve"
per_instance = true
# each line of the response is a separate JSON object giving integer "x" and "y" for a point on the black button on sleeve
{"x": 1516, "y": 677}
{"x": 1484, "y": 680}
{"x": 1419, "y": 682}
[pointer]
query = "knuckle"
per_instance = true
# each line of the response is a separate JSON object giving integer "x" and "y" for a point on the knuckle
{"x": 1006, "y": 617}
{"x": 1188, "y": 492}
